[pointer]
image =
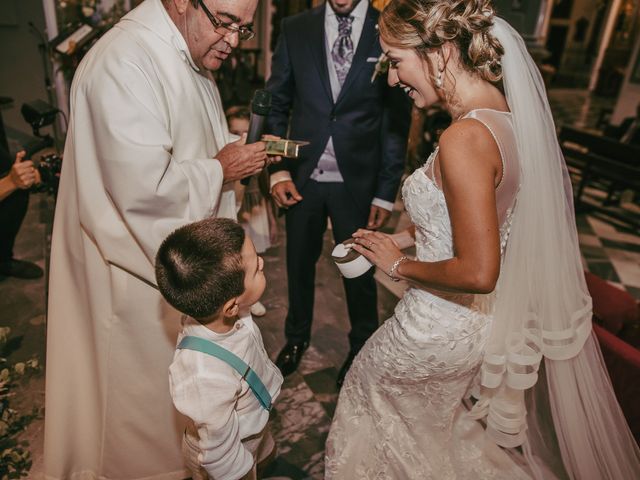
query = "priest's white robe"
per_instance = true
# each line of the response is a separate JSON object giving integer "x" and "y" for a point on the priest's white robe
{"x": 139, "y": 162}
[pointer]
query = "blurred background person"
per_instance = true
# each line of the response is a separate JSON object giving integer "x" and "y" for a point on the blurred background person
{"x": 17, "y": 176}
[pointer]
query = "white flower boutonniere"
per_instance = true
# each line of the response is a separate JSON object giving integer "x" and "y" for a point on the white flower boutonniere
{"x": 382, "y": 67}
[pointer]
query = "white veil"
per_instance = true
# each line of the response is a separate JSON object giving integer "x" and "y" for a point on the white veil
{"x": 543, "y": 310}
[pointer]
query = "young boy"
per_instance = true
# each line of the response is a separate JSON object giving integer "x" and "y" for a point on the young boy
{"x": 209, "y": 270}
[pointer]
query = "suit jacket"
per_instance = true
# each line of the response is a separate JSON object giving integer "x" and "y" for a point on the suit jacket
{"x": 368, "y": 121}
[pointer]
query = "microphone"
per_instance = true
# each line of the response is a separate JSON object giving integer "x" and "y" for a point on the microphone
{"x": 260, "y": 106}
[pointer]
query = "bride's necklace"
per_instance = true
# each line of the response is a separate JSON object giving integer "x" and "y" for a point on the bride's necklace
{"x": 462, "y": 115}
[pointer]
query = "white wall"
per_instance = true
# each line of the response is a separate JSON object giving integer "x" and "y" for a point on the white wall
{"x": 629, "y": 96}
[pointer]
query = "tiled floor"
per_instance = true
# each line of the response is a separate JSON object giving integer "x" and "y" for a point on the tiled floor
{"x": 610, "y": 253}
{"x": 303, "y": 412}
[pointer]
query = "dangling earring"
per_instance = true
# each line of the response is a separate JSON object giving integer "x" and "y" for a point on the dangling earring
{"x": 439, "y": 79}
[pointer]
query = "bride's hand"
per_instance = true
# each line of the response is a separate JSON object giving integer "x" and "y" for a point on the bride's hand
{"x": 362, "y": 232}
{"x": 379, "y": 248}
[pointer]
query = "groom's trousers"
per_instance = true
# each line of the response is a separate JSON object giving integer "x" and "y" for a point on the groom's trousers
{"x": 306, "y": 223}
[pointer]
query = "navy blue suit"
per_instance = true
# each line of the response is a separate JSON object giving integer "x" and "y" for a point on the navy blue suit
{"x": 368, "y": 123}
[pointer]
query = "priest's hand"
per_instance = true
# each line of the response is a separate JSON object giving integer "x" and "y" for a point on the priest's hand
{"x": 240, "y": 160}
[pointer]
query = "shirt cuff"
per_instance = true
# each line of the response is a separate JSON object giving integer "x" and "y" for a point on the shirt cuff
{"x": 279, "y": 177}
{"x": 378, "y": 202}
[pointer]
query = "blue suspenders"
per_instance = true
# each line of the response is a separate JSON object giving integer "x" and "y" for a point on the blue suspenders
{"x": 206, "y": 346}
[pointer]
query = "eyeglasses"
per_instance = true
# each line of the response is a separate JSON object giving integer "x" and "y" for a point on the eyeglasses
{"x": 244, "y": 33}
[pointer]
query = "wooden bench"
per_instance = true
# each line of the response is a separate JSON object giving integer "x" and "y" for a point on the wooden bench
{"x": 603, "y": 163}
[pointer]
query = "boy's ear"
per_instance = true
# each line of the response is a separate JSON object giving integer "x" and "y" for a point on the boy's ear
{"x": 230, "y": 308}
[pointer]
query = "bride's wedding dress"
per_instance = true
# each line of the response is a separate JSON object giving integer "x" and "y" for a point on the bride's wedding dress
{"x": 400, "y": 413}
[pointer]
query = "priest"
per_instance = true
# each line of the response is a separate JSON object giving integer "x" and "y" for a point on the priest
{"x": 147, "y": 150}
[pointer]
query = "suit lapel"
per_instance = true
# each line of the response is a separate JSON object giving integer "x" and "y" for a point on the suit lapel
{"x": 367, "y": 37}
{"x": 318, "y": 49}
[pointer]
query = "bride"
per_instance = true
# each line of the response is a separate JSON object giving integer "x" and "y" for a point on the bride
{"x": 497, "y": 305}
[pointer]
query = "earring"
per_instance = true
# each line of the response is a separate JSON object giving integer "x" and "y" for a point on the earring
{"x": 439, "y": 79}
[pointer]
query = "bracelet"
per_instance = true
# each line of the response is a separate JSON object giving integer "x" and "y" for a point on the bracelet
{"x": 395, "y": 266}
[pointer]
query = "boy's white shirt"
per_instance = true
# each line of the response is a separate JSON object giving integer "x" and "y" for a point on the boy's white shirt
{"x": 222, "y": 407}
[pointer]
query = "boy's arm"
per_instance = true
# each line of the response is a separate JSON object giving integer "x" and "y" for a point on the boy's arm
{"x": 209, "y": 398}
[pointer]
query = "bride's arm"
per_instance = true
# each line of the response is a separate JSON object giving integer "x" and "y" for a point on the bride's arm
{"x": 470, "y": 167}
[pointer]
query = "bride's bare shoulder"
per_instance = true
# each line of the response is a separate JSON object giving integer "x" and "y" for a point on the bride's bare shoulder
{"x": 467, "y": 134}
{"x": 466, "y": 142}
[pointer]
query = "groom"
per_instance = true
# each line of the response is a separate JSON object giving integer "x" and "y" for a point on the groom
{"x": 323, "y": 92}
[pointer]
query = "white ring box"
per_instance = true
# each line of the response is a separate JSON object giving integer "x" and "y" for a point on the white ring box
{"x": 350, "y": 263}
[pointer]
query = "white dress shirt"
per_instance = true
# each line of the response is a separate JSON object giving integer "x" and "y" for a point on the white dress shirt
{"x": 222, "y": 408}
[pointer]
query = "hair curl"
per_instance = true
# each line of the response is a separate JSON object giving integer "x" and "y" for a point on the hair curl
{"x": 428, "y": 24}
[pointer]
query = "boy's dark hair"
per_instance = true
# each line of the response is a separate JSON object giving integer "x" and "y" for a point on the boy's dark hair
{"x": 238, "y": 111}
{"x": 199, "y": 266}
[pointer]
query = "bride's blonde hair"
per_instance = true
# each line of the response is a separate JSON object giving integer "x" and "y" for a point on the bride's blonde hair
{"x": 428, "y": 24}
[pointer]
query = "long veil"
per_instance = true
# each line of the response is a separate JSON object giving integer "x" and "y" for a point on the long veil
{"x": 542, "y": 310}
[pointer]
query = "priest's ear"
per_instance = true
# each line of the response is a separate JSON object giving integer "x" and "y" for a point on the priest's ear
{"x": 178, "y": 6}
{"x": 230, "y": 308}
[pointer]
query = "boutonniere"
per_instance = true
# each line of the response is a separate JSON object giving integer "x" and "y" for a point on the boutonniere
{"x": 382, "y": 67}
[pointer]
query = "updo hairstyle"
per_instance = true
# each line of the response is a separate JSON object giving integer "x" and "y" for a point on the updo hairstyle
{"x": 427, "y": 24}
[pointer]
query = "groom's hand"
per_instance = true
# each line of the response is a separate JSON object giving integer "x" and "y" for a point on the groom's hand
{"x": 378, "y": 216}
{"x": 285, "y": 194}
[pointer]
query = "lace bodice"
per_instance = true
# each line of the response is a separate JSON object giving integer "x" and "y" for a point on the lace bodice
{"x": 427, "y": 207}
{"x": 425, "y": 201}
{"x": 426, "y": 204}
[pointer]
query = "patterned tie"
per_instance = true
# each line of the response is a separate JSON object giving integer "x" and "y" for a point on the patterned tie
{"x": 342, "y": 51}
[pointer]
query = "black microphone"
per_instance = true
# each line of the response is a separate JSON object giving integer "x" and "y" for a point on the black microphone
{"x": 260, "y": 106}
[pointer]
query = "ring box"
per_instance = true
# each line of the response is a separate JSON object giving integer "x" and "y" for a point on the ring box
{"x": 350, "y": 263}
{"x": 284, "y": 148}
